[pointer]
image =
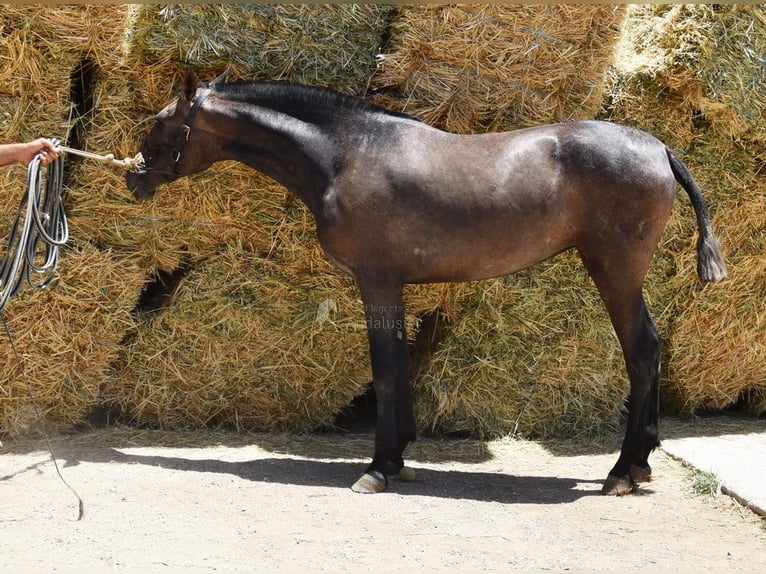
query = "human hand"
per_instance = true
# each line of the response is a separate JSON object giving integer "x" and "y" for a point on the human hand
{"x": 48, "y": 152}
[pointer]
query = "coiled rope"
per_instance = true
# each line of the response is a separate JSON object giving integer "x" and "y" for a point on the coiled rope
{"x": 37, "y": 232}
{"x": 34, "y": 240}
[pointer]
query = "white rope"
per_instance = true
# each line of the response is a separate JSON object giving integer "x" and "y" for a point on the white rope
{"x": 32, "y": 253}
{"x": 132, "y": 163}
{"x": 36, "y": 233}
{"x": 40, "y": 229}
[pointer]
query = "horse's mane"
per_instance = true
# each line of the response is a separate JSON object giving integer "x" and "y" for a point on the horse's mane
{"x": 311, "y": 103}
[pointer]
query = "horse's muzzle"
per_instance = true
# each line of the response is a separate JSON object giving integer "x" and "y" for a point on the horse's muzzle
{"x": 140, "y": 184}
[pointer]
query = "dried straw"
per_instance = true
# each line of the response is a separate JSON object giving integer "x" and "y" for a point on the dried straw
{"x": 263, "y": 333}
{"x": 67, "y": 337}
{"x": 39, "y": 48}
{"x": 532, "y": 353}
{"x": 498, "y": 66}
{"x": 333, "y": 45}
{"x": 716, "y": 344}
{"x": 249, "y": 342}
{"x": 705, "y": 62}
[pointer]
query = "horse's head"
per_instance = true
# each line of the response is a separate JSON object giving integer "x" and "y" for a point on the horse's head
{"x": 173, "y": 148}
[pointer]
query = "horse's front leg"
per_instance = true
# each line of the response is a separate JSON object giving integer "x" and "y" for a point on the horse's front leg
{"x": 389, "y": 358}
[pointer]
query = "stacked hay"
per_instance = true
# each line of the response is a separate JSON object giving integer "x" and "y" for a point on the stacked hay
{"x": 496, "y": 67}
{"x": 250, "y": 341}
{"x": 256, "y": 329}
{"x": 40, "y": 49}
{"x": 332, "y": 45}
{"x": 66, "y": 336}
{"x": 532, "y": 353}
{"x": 694, "y": 76}
{"x": 705, "y": 61}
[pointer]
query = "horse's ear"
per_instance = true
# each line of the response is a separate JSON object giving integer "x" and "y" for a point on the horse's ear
{"x": 190, "y": 86}
{"x": 222, "y": 78}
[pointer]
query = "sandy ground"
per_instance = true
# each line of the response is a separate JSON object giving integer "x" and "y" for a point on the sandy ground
{"x": 223, "y": 502}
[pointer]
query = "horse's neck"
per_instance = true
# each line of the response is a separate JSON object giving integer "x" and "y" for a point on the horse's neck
{"x": 297, "y": 154}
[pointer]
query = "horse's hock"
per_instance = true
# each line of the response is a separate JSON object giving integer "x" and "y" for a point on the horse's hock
{"x": 258, "y": 330}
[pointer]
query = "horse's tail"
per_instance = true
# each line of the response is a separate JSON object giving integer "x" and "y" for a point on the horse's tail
{"x": 710, "y": 264}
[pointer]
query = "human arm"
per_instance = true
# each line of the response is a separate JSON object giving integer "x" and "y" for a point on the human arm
{"x": 26, "y": 152}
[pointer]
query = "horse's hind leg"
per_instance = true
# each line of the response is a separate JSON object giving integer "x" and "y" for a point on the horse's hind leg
{"x": 641, "y": 346}
{"x": 640, "y": 470}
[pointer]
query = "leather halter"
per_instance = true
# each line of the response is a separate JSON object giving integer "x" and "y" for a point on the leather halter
{"x": 186, "y": 126}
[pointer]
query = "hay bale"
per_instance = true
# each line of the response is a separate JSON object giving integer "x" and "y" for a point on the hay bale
{"x": 332, "y": 45}
{"x": 496, "y": 67}
{"x": 67, "y": 337}
{"x": 249, "y": 342}
{"x": 39, "y": 48}
{"x": 716, "y": 335}
{"x": 692, "y": 76}
{"x": 704, "y": 62}
{"x": 532, "y": 353}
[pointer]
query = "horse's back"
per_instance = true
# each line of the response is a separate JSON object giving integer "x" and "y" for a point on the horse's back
{"x": 469, "y": 207}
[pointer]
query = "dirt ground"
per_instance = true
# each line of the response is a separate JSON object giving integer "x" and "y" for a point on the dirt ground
{"x": 216, "y": 501}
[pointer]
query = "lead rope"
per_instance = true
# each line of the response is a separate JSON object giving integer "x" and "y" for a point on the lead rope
{"x": 44, "y": 221}
{"x": 132, "y": 163}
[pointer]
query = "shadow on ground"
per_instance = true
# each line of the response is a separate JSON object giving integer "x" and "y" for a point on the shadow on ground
{"x": 359, "y": 445}
{"x": 451, "y": 484}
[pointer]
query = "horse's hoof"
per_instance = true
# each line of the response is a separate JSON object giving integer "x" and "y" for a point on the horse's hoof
{"x": 406, "y": 474}
{"x": 618, "y": 485}
{"x": 369, "y": 483}
{"x": 641, "y": 473}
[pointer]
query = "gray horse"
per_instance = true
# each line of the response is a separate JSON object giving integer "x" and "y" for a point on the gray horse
{"x": 397, "y": 201}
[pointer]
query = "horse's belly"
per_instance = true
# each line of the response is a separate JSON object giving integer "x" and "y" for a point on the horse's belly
{"x": 476, "y": 257}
